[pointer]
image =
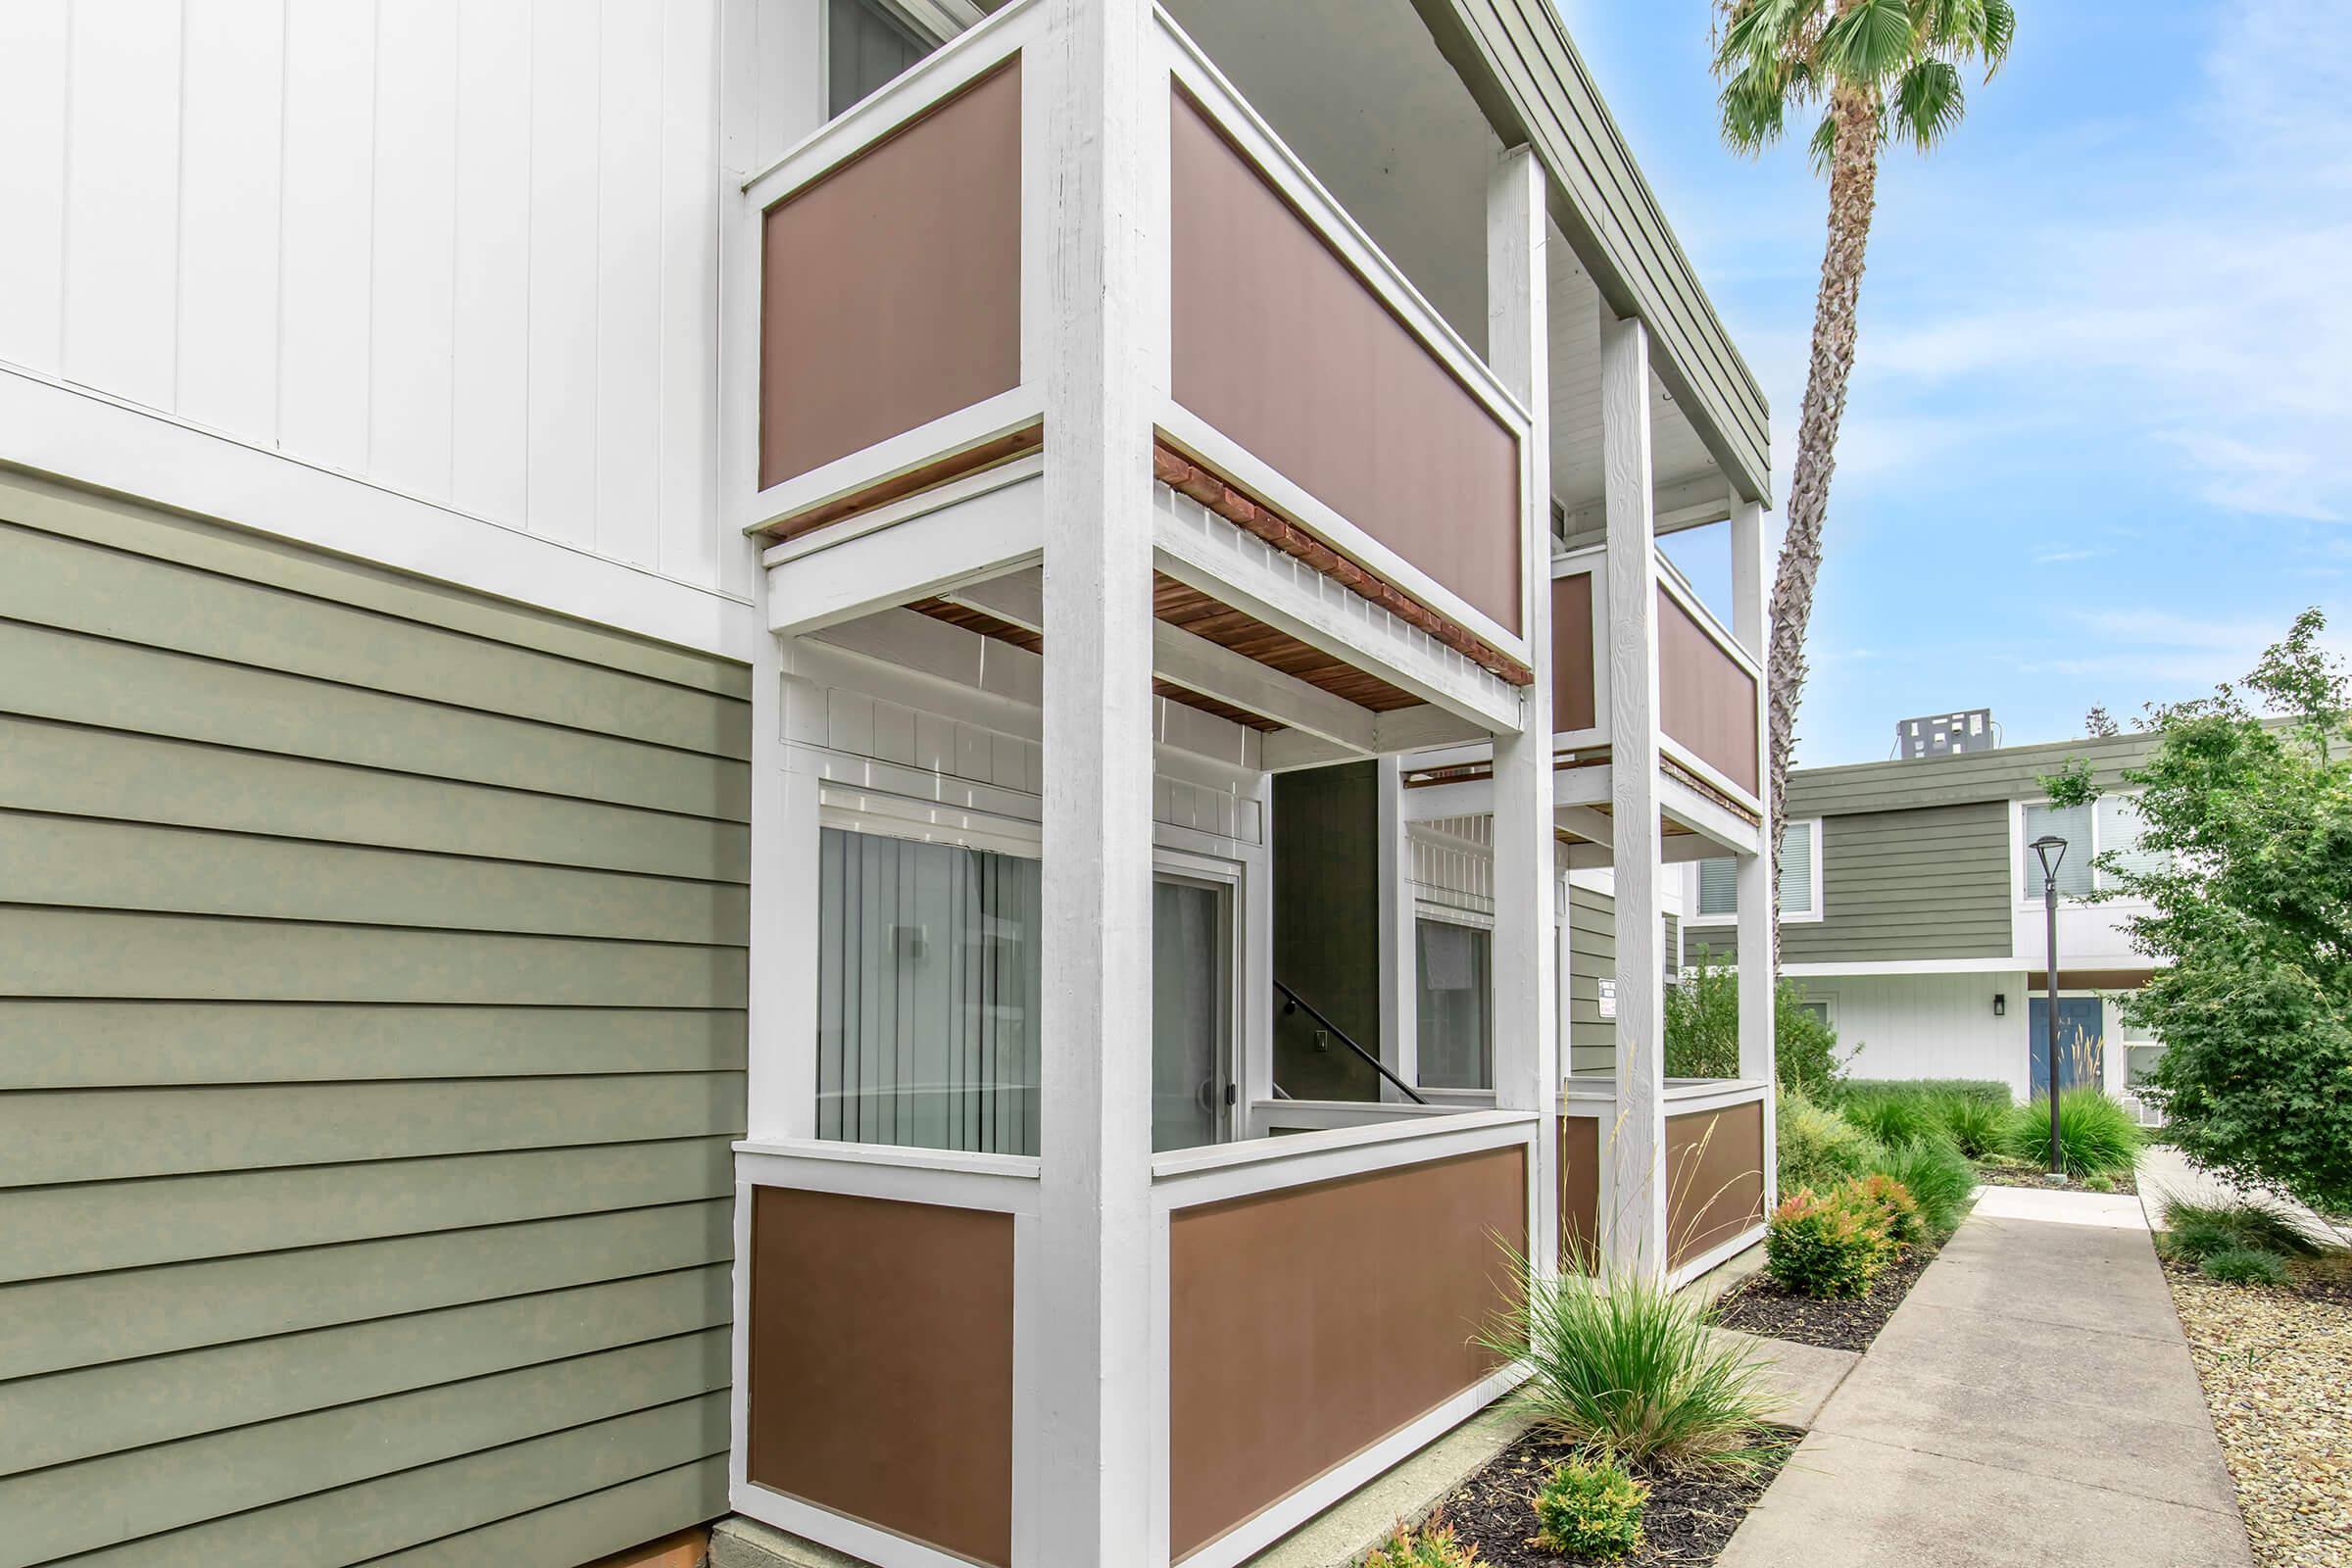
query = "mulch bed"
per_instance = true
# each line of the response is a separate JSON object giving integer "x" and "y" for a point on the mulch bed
{"x": 2276, "y": 1366}
{"x": 1690, "y": 1516}
{"x": 2008, "y": 1176}
{"x": 1757, "y": 1305}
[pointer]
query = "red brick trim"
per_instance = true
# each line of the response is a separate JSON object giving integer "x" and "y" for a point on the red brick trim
{"x": 1180, "y": 472}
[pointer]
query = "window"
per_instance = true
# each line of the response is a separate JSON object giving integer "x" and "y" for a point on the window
{"x": 1800, "y": 879}
{"x": 1455, "y": 1019}
{"x": 2111, "y": 822}
{"x": 867, "y": 48}
{"x": 927, "y": 994}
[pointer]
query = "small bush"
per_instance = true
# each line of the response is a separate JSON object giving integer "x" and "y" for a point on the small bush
{"x": 2244, "y": 1265}
{"x": 1589, "y": 1509}
{"x": 1897, "y": 1210}
{"x": 2196, "y": 1231}
{"x": 1972, "y": 1124}
{"x": 1968, "y": 1112}
{"x": 1618, "y": 1364}
{"x": 2099, "y": 1183}
{"x": 2095, "y": 1135}
{"x": 1702, "y": 1030}
{"x": 1432, "y": 1546}
{"x": 1818, "y": 1148}
{"x": 1826, "y": 1247}
{"x": 1984, "y": 1091}
{"x": 1939, "y": 1180}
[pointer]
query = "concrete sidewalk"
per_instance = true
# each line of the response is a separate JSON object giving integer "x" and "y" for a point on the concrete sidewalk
{"x": 2032, "y": 1403}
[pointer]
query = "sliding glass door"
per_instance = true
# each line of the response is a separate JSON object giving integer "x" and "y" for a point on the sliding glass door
{"x": 1192, "y": 1013}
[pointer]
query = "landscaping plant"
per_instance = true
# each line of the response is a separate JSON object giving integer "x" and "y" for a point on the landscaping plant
{"x": 1826, "y": 1247}
{"x": 1703, "y": 1031}
{"x": 1431, "y": 1545}
{"x": 1897, "y": 1210}
{"x": 2196, "y": 1231}
{"x": 1969, "y": 1112}
{"x": 1817, "y": 1147}
{"x": 2245, "y": 864}
{"x": 1620, "y": 1365}
{"x": 1939, "y": 1181}
{"x": 1589, "y": 1509}
{"x": 2095, "y": 1135}
{"x": 2244, "y": 1265}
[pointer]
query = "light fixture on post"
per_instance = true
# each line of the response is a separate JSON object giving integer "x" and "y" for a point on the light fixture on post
{"x": 2051, "y": 850}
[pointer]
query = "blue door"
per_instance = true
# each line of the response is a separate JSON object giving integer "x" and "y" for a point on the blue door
{"x": 2081, "y": 1026}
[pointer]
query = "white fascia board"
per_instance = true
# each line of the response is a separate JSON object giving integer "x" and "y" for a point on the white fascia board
{"x": 983, "y": 535}
{"x": 1901, "y": 967}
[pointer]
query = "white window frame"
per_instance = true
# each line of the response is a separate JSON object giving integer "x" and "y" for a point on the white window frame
{"x": 2026, "y": 887}
{"x": 1691, "y": 916}
{"x": 1477, "y": 920}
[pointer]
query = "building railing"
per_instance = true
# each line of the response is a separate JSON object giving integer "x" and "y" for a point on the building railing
{"x": 896, "y": 267}
{"x": 1718, "y": 1170}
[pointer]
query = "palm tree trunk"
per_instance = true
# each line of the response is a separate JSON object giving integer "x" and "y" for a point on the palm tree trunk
{"x": 1854, "y": 192}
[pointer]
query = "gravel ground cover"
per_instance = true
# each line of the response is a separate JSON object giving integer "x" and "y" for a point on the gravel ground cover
{"x": 1688, "y": 1520}
{"x": 1757, "y": 1305}
{"x": 2276, "y": 1365}
{"x": 2012, "y": 1176}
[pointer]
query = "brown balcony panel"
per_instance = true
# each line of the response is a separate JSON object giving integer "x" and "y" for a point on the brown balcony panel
{"x": 1284, "y": 348}
{"x": 1301, "y": 1334}
{"x": 1714, "y": 1178}
{"x": 891, "y": 289}
{"x": 1580, "y": 1191}
{"x": 1706, "y": 701}
{"x": 881, "y": 1364}
{"x": 1573, "y": 702}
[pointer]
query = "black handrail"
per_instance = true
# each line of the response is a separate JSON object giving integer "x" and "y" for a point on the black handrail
{"x": 1296, "y": 1002}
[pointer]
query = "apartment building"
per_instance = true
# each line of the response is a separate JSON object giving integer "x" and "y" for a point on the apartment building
{"x": 1912, "y": 915}
{"x": 679, "y": 680}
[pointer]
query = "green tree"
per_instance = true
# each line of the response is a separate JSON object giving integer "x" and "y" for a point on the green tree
{"x": 2252, "y": 906}
{"x": 1880, "y": 70}
{"x": 1703, "y": 1031}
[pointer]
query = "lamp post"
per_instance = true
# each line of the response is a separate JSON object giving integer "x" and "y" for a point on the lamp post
{"x": 2051, "y": 850}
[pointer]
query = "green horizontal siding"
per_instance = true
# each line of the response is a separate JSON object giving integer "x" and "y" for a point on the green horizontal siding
{"x": 373, "y": 963}
{"x": 2005, "y": 773}
{"x": 1930, "y": 883}
{"x": 1592, "y": 955}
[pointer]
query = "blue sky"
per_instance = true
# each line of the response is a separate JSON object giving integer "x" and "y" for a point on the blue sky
{"x": 2098, "y": 448}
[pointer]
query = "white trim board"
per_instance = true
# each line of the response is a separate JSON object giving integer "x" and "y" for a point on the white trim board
{"x": 83, "y": 438}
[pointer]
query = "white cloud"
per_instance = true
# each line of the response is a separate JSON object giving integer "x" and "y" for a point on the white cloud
{"x": 2202, "y": 307}
{"x": 2160, "y": 653}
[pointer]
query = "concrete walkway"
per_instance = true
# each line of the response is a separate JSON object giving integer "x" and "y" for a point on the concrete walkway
{"x": 2031, "y": 1404}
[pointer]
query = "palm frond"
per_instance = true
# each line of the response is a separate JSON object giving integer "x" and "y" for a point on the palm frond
{"x": 1998, "y": 31}
{"x": 1869, "y": 44}
{"x": 1822, "y": 149}
{"x": 1754, "y": 107}
{"x": 1755, "y": 31}
{"x": 1927, "y": 102}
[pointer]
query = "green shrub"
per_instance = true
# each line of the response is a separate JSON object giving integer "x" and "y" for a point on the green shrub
{"x": 1966, "y": 1110}
{"x": 1589, "y": 1509}
{"x": 1939, "y": 1180}
{"x": 1432, "y": 1546}
{"x": 2195, "y": 1231}
{"x": 2099, "y": 1183}
{"x": 1897, "y": 1210}
{"x": 1702, "y": 1030}
{"x": 2244, "y": 1265}
{"x": 1817, "y": 1147}
{"x": 1825, "y": 1247}
{"x": 1618, "y": 1364}
{"x": 2095, "y": 1135}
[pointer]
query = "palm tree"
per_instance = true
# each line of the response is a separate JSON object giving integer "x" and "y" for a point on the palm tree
{"x": 1880, "y": 68}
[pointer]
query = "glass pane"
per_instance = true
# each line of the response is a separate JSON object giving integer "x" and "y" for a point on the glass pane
{"x": 867, "y": 48}
{"x": 1719, "y": 885}
{"x": 2139, "y": 1062}
{"x": 1456, "y": 1006}
{"x": 926, "y": 995}
{"x": 2072, "y": 824}
{"x": 1796, "y": 868}
{"x": 2118, "y": 830}
{"x": 1189, "y": 1008}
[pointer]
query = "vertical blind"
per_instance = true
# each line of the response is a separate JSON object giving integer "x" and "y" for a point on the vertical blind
{"x": 2072, "y": 823}
{"x": 1719, "y": 878}
{"x": 927, "y": 994}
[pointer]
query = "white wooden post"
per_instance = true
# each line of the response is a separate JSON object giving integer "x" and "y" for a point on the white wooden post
{"x": 1634, "y": 1230}
{"x": 1399, "y": 994}
{"x": 1095, "y": 1269}
{"x": 1527, "y": 1055}
{"x": 1756, "y": 890}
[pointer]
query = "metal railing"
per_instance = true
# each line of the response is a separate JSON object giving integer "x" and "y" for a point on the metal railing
{"x": 1295, "y": 1002}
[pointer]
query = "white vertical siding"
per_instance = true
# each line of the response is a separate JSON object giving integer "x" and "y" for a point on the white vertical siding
{"x": 466, "y": 250}
{"x": 1928, "y": 1025}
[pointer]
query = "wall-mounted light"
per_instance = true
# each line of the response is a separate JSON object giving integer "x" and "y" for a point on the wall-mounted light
{"x": 2000, "y": 1006}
